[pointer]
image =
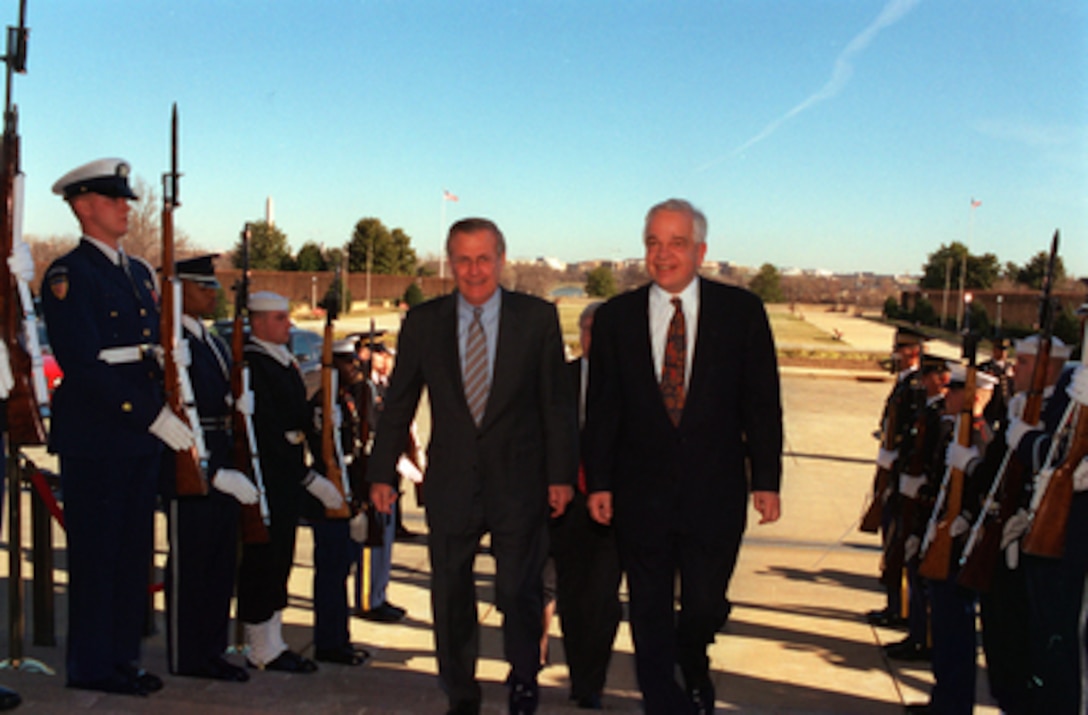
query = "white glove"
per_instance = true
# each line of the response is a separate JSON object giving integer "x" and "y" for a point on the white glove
{"x": 409, "y": 471}
{"x": 1080, "y": 476}
{"x": 1078, "y": 386}
{"x": 237, "y": 485}
{"x": 1016, "y": 405}
{"x": 319, "y": 421}
{"x": 7, "y": 380}
{"x": 1016, "y": 430}
{"x": 244, "y": 403}
{"x": 1012, "y": 555}
{"x": 909, "y": 484}
{"x": 1014, "y": 528}
{"x": 959, "y": 526}
{"x": 885, "y": 458}
{"x": 357, "y": 527}
{"x": 21, "y": 261}
{"x": 910, "y": 547}
{"x": 181, "y": 354}
{"x": 323, "y": 490}
{"x": 959, "y": 457}
{"x": 174, "y": 433}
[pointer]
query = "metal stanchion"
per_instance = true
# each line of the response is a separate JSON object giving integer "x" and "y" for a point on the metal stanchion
{"x": 16, "y": 615}
{"x": 41, "y": 528}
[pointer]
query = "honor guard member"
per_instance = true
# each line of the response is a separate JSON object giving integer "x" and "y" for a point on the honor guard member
{"x": 376, "y": 560}
{"x": 337, "y": 542}
{"x": 204, "y": 529}
{"x": 1000, "y": 367}
{"x": 953, "y": 607}
{"x": 1055, "y": 585}
{"x": 109, "y": 426}
{"x": 906, "y": 358}
{"x": 281, "y": 420}
{"x": 921, "y": 489}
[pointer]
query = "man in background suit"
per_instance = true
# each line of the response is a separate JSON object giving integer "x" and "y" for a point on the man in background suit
{"x": 502, "y": 451}
{"x": 672, "y": 457}
{"x": 587, "y": 566}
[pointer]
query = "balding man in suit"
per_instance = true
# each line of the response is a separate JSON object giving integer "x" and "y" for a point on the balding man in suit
{"x": 502, "y": 451}
{"x": 684, "y": 418}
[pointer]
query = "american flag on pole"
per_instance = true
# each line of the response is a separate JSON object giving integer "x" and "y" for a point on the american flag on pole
{"x": 449, "y": 196}
{"x": 975, "y": 204}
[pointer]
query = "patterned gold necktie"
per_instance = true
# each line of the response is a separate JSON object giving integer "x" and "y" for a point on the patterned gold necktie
{"x": 672, "y": 374}
{"x": 476, "y": 373}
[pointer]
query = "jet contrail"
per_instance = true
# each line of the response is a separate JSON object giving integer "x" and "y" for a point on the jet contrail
{"x": 840, "y": 74}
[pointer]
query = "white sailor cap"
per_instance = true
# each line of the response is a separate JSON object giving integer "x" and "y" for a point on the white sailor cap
{"x": 346, "y": 346}
{"x": 1030, "y": 346}
{"x": 267, "y": 301}
{"x": 958, "y": 377}
{"x": 108, "y": 177}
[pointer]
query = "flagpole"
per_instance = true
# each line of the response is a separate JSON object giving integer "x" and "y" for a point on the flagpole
{"x": 963, "y": 265}
{"x": 441, "y": 241}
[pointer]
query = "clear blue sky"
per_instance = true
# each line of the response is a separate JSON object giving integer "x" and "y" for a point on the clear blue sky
{"x": 838, "y": 134}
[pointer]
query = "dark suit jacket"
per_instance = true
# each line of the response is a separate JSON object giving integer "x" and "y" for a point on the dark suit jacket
{"x": 527, "y": 438}
{"x": 694, "y": 477}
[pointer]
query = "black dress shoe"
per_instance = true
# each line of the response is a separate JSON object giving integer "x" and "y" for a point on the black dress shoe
{"x": 885, "y": 619}
{"x": 907, "y": 650}
{"x": 464, "y": 707}
{"x": 918, "y": 709}
{"x": 385, "y": 613}
{"x": 589, "y": 702}
{"x": 117, "y": 685}
{"x": 289, "y": 662}
{"x": 524, "y": 697}
{"x": 702, "y": 698}
{"x": 148, "y": 681}
{"x": 218, "y": 669}
{"x": 348, "y": 655}
{"x": 9, "y": 698}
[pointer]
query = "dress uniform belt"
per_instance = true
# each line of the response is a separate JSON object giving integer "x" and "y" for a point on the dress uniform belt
{"x": 216, "y": 424}
{"x": 128, "y": 353}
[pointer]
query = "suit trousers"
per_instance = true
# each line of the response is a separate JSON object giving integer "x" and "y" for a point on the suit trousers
{"x": 519, "y": 561}
{"x": 588, "y": 580}
{"x": 109, "y": 509}
{"x": 662, "y": 638}
{"x": 334, "y": 552}
{"x": 1056, "y": 594}
{"x": 200, "y": 578}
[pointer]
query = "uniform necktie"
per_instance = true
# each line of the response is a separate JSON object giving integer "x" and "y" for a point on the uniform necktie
{"x": 672, "y": 375}
{"x": 476, "y": 373}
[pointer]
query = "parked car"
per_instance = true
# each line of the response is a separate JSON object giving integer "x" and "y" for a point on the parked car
{"x": 53, "y": 373}
{"x": 305, "y": 345}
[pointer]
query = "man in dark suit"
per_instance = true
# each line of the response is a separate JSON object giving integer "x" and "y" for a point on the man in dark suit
{"x": 502, "y": 451}
{"x": 673, "y": 457}
{"x": 587, "y": 567}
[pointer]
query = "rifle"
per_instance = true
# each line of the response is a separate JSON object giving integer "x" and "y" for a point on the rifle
{"x": 874, "y": 513}
{"x": 25, "y": 424}
{"x": 255, "y": 518}
{"x": 980, "y": 557}
{"x": 331, "y": 452}
{"x": 937, "y": 545}
{"x": 191, "y": 464}
{"x": 1050, "y": 509}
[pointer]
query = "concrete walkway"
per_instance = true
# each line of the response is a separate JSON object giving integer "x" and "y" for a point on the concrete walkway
{"x": 796, "y": 642}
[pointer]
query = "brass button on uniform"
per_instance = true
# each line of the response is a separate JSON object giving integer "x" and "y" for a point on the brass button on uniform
{"x": 147, "y": 331}
{"x": 126, "y": 407}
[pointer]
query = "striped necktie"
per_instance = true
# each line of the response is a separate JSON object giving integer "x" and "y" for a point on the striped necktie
{"x": 672, "y": 375}
{"x": 476, "y": 373}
